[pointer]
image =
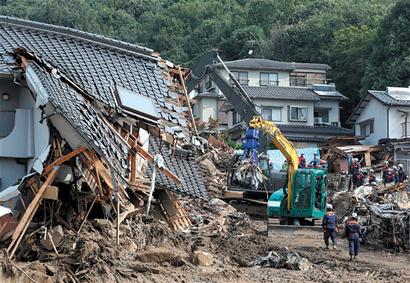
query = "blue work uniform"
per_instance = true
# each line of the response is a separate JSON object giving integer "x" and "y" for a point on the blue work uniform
{"x": 402, "y": 175}
{"x": 352, "y": 232}
{"x": 329, "y": 227}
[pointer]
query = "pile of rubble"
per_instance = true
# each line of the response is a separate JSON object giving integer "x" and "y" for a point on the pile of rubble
{"x": 214, "y": 166}
{"x": 383, "y": 212}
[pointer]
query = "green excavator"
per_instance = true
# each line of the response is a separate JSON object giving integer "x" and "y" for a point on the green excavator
{"x": 303, "y": 199}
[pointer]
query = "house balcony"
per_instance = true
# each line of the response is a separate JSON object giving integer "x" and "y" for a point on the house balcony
{"x": 302, "y": 81}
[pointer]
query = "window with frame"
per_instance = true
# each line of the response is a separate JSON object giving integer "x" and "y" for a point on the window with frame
{"x": 366, "y": 128}
{"x": 268, "y": 79}
{"x": 272, "y": 114}
{"x": 298, "y": 113}
{"x": 241, "y": 77}
{"x": 236, "y": 118}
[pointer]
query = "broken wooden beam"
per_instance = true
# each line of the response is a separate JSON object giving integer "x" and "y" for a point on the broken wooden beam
{"x": 63, "y": 159}
{"x": 29, "y": 214}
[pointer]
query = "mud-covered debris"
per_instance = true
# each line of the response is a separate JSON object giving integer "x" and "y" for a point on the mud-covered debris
{"x": 288, "y": 259}
{"x": 53, "y": 238}
{"x": 202, "y": 258}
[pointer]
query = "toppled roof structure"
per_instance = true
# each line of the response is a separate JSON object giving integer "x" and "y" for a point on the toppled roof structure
{"x": 89, "y": 110}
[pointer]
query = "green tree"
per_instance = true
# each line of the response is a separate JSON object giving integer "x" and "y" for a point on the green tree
{"x": 389, "y": 62}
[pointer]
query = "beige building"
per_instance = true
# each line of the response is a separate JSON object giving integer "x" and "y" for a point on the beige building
{"x": 296, "y": 96}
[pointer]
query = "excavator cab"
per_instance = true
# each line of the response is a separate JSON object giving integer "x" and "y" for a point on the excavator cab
{"x": 308, "y": 200}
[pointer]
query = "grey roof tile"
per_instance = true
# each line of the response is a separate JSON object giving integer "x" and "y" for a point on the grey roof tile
{"x": 256, "y": 63}
{"x": 385, "y": 98}
{"x": 96, "y": 63}
{"x": 181, "y": 164}
{"x": 279, "y": 92}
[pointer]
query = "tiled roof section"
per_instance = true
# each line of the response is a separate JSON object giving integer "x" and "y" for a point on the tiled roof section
{"x": 181, "y": 164}
{"x": 385, "y": 98}
{"x": 82, "y": 116}
{"x": 288, "y": 93}
{"x": 328, "y": 91}
{"x": 307, "y": 139}
{"x": 381, "y": 96}
{"x": 255, "y": 63}
{"x": 95, "y": 63}
{"x": 316, "y": 129}
{"x": 298, "y": 131}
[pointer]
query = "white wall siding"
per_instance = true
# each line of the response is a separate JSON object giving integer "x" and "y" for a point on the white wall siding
{"x": 284, "y": 105}
{"x": 207, "y": 108}
{"x": 333, "y": 106}
{"x": 395, "y": 122}
{"x": 377, "y": 111}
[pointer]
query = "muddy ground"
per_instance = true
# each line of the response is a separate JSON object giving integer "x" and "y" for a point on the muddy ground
{"x": 150, "y": 252}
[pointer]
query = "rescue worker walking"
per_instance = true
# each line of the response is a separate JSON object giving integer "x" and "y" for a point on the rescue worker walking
{"x": 353, "y": 233}
{"x": 329, "y": 225}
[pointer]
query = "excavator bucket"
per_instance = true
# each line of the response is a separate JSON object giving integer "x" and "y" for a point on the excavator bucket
{"x": 275, "y": 228}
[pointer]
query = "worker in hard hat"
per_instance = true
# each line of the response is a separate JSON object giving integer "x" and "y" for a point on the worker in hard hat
{"x": 401, "y": 173}
{"x": 385, "y": 172}
{"x": 329, "y": 225}
{"x": 395, "y": 174}
{"x": 355, "y": 172}
{"x": 372, "y": 177}
{"x": 302, "y": 161}
{"x": 315, "y": 161}
{"x": 353, "y": 233}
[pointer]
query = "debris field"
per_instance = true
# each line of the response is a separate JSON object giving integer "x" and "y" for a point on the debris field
{"x": 115, "y": 190}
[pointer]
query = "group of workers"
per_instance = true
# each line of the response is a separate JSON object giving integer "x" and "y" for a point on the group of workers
{"x": 352, "y": 231}
{"x": 315, "y": 163}
{"x": 395, "y": 174}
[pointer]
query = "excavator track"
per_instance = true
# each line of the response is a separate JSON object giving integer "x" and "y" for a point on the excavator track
{"x": 275, "y": 228}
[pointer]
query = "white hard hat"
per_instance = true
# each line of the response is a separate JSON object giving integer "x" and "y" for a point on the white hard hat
{"x": 401, "y": 165}
{"x": 354, "y": 215}
{"x": 386, "y": 162}
{"x": 329, "y": 206}
{"x": 371, "y": 171}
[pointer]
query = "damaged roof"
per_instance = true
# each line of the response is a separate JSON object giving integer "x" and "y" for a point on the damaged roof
{"x": 95, "y": 63}
{"x": 183, "y": 163}
{"x": 99, "y": 66}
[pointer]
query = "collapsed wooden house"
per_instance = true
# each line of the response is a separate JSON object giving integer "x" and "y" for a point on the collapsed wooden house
{"x": 82, "y": 120}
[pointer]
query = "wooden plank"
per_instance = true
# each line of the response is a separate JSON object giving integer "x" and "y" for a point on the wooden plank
{"x": 29, "y": 214}
{"x": 63, "y": 159}
{"x": 367, "y": 158}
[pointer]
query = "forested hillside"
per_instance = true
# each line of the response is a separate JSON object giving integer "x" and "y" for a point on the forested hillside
{"x": 366, "y": 42}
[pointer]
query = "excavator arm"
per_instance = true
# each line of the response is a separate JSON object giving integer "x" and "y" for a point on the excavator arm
{"x": 236, "y": 95}
{"x": 284, "y": 146}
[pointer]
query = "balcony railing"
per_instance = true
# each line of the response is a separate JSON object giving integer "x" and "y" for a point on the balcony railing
{"x": 268, "y": 83}
{"x": 301, "y": 81}
{"x": 240, "y": 81}
{"x": 405, "y": 129}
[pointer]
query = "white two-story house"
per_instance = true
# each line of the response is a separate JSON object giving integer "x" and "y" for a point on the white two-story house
{"x": 382, "y": 115}
{"x": 296, "y": 96}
